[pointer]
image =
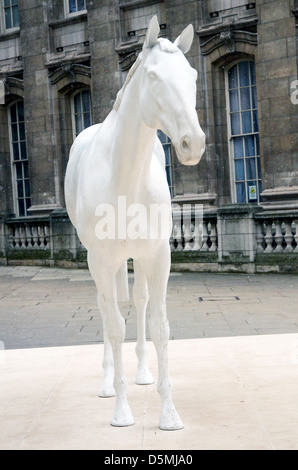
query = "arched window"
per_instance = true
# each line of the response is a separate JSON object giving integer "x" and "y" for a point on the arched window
{"x": 81, "y": 111}
{"x": 19, "y": 158}
{"x": 166, "y": 143}
{"x": 243, "y": 132}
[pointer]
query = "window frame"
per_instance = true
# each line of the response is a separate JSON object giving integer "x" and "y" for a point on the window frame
{"x": 67, "y": 13}
{"x": 231, "y": 138}
{"x": 169, "y": 167}
{"x": 72, "y": 107}
{"x": 14, "y": 162}
{"x": 3, "y": 28}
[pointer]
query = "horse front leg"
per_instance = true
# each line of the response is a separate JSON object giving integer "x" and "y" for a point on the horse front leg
{"x": 114, "y": 326}
{"x": 158, "y": 269}
{"x": 107, "y": 388}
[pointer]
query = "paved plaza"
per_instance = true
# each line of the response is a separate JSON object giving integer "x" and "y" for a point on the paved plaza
{"x": 42, "y": 307}
{"x": 233, "y": 359}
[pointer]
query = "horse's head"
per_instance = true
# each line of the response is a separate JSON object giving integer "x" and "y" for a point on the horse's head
{"x": 168, "y": 95}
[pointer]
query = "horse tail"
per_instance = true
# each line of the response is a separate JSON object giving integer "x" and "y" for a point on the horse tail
{"x": 122, "y": 283}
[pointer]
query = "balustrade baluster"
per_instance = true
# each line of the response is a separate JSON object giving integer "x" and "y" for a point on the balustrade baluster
{"x": 278, "y": 237}
{"x": 268, "y": 238}
{"x": 288, "y": 236}
{"x": 213, "y": 237}
{"x": 205, "y": 236}
{"x": 295, "y": 235}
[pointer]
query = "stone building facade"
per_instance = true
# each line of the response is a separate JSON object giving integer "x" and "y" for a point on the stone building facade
{"x": 61, "y": 65}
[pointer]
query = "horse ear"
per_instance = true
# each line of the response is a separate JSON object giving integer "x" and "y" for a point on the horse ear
{"x": 184, "y": 41}
{"x": 152, "y": 33}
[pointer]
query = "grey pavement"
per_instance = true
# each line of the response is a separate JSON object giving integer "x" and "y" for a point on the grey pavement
{"x": 42, "y": 307}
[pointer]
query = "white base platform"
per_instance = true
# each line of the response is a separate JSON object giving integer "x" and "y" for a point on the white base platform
{"x": 231, "y": 393}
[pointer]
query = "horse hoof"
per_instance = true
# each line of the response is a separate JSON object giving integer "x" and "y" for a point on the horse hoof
{"x": 107, "y": 392}
{"x": 171, "y": 421}
{"x": 144, "y": 377}
{"x": 123, "y": 418}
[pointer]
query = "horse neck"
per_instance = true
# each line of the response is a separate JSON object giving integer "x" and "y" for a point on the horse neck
{"x": 133, "y": 141}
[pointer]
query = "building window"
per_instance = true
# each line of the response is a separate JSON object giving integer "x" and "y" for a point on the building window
{"x": 20, "y": 167}
{"x": 74, "y": 6}
{"x": 10, "y": 11}
{"x": 166, "y": 143}
{"x": 81, "y": 111}
{"x": 244, "y": 133}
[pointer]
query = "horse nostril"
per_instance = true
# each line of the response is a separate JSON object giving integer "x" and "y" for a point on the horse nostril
{"x": 185, "y": 144}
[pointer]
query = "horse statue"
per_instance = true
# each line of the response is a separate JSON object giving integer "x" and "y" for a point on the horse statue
{"x": 123, "y": 159}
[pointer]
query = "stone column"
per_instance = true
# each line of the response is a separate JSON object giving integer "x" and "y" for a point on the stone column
{"x": 102, "y": 26}
{"x": 276, "y": 66}
{"x": 237, "y": 237}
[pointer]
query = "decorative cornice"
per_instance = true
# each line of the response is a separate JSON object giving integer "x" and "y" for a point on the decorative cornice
{"x": 137, "y": 3}
{"x": 70, "y": 71}
{"x": 229, "y": 38}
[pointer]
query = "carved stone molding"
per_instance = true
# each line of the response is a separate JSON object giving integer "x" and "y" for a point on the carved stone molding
{"x": 228, "y": 38}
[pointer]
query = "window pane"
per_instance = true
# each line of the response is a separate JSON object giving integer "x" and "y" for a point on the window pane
{"x": 251, "y": 169}
{"x": 250, "y": 150}
{"x": 28, "y": 204}
{"x": 78, "y": 103}
{"x": 15, "y": 16}
{"x": 22, "y": 131}
{"x": 14, "y": 133}
{"x": 252, "y": 191}
{"x": 258, "y": 144}
{"x": 239, "y": 170}
{"x": 21, "y": 207}
{"x": 26, "y": 170}
{"x": 81, "y": 5}
{"x": 234, "y": 100}
{"x": 20, "y": 189}
{"x": 86, "y": 101}
{"x": 8, "y": 22}
{"x": 167, "y": 149}
{"x": 254, "y": 97}
{"x": 256, "y": 121}
{"x": 87, "y": 120}
{"x": 6, "y": 3}
{"x": 244, "y": 73}
{"x": 238, "y": 147}
{"x": 253, "y": 72}
{"x": 79, "y": 124}
{"x": 72, "y": 6}
{"x": 23, "y": 150}
{"x": 259, "y": 167}
{"x": 19, "y": 171}
{"x": 21, "y": 111}
{"x": 16, "y": 153}
{"x": 27, "y": 188}
{"x": 246, "y": 123}
{"x": 13, "y": 113}
{"x": 162, "y": 137}
{"x": 233, "y": 78}
{"x": 245, "y": 98}
{"x": 241, "y": 195}
{"x": 235, "y": 124}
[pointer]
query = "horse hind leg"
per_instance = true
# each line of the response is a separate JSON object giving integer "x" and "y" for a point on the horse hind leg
{"x": 158, "y": 268}
{"x": 141, "y": 297}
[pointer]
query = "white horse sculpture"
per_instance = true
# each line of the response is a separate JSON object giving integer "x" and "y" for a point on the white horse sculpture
{"x": 122, "y": 157}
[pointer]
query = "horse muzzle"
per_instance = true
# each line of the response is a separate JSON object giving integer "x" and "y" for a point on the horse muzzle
{"x": 190, "y": 149}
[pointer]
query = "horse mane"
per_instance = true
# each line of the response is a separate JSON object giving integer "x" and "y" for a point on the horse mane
{"x": 165, "y": 46}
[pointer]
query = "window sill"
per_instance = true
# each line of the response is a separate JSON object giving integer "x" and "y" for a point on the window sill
{"x": 72, "y": 18}
{"x": 10, "y": 33}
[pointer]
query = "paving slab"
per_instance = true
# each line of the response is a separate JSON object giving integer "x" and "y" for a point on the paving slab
{"x": 233, "y": 393}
